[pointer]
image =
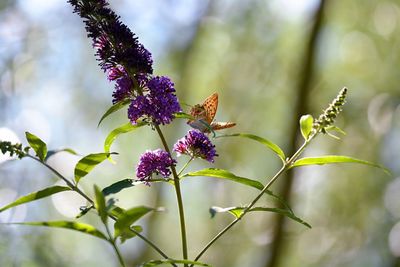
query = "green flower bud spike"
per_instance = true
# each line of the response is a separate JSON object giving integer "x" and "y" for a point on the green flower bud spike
{"x": 329, "y": 115}
{"x": 13, "y": 149}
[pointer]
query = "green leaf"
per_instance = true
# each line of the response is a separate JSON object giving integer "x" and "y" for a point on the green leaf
{"x": 87, "y": 163}
{"x": 169, "y": 261}
{"x": 126, "y": 219}
{"x": 306, "y": 124}
{"x": 55, "y": 151}
{"x": 336, "y": 129}
{"x": 237, "y": 211}
{"x": 183, "y": 115}
{"x": 113, "y": 109}
{"x": 80, "y": 227}
{"x": 329, "y": 159}
{"x": 100, "y": 204}
{"x": 37, "y": 145}
{"x": 224, "y": 174}
{"x": 35, "y": 196}
{"x": 128, "y": 127}
{"x": 117, "y": 186}
{"x": 270, "y": 145}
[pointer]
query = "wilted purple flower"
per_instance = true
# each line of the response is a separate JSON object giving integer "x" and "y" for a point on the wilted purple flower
{"x": 115, "y": 43}
{"x": 157, "y": 161}
{"x": 158, "y": 102}
{"x": 196, "y": 144}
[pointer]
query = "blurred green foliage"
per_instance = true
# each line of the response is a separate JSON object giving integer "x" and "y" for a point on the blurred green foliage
{"x": 251, "y": 53}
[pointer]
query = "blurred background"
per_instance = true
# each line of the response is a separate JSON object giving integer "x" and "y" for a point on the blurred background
{"x": 270, "y": 61}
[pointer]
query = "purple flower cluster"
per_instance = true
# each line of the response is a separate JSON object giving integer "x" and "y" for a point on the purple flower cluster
{"x": 115, "y": 43}
{"x": 120, "y": 54}
{"x": 128, "y": 64}
{"x": 157, "y": 161}
{"x": 196, "y": 144}
{"x": 158, "y": 102}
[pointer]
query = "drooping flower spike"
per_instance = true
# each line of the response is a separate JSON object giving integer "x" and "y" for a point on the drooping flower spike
{"x": 196, "y": 144}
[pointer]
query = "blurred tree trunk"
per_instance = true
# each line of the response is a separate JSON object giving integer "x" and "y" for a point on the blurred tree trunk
{"x": 301, "y": 107}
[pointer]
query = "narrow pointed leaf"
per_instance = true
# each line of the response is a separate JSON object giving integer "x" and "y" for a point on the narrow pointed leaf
{"x": 330, "y": 159}
{"x": 100, "y": 204}
{"x": 113, "y": 109}
{"x": 126, "y": 219}
{"x": 35, "y": 196}
{"x": 55, "y": 151}
{"x": 224, "y": 174}
{"x": 87, "y": 163}
{"x": 37, "y": 145}
{"x": 117, "y": 186}
{"x": 237, "y": 211}
{"x": 306, "y": 124}
{"x": 169, "y": 261}
{"x": 112, "y": 136}
{"x": 80, "y": 227}
{"x": 270, "y": 145}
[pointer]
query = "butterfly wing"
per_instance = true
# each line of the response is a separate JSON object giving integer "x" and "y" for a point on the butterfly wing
{"x": 210, "y": 105}
{"x": 222, "y": 125}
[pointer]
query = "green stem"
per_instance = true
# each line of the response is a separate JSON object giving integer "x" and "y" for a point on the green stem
{"x": 284, "y": 168}
{"x": 112, "y": 241}
{"x": 178, "y": 197}
{"x": 76, "y": 189}
{"x": 185, "y": 166}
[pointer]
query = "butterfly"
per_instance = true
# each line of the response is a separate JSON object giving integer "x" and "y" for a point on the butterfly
{"x": 204, "y": 115}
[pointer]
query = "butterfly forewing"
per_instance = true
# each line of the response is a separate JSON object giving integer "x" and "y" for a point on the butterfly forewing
{"x": 211, "y": 105}
{"x": 204, "y": 115}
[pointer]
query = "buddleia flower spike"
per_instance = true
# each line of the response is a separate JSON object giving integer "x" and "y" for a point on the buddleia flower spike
{"x": 327, "y": 118}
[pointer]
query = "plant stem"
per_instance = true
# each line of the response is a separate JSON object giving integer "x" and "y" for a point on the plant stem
{"x": 185, "y": 166}
{"x": 80, "y": 192}
{"x": 112, "y": 241}
{"x": 284, "y": 168}
{"x": 178, "y": 197}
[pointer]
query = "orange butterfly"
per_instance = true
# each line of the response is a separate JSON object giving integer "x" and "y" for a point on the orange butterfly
{"x": 204, "y": 115}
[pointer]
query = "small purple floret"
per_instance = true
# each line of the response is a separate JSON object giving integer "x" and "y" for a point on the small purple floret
{"x": 196, "y": 144}
{"x": 157, "y": 161}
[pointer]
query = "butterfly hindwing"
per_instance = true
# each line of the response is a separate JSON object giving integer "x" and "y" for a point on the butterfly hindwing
{"x": 221, "y": 125}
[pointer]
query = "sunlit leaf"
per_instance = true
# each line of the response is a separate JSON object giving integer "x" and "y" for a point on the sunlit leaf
{"x": 237, "y": 211}
{"x": 87, "y": 163}
{"x": 112, "y": 136}
{"x": 35, "y": 196}
{"x": 80, "y": 227}
{"x": 113, "y": 109}
{"x": 100, "y": 204}
{"x": 306, "y": 124}
{"x": 169, "y": 261}
{"x": 55, "y": 151}
{"x": 270, "y": 145}
{"x": 126, "y": 219}
{"x": 330, "y": 159}
{"x": 118, "y": 186}
{"x": 224, "y": 174}
{"x": 37, "y": 145}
